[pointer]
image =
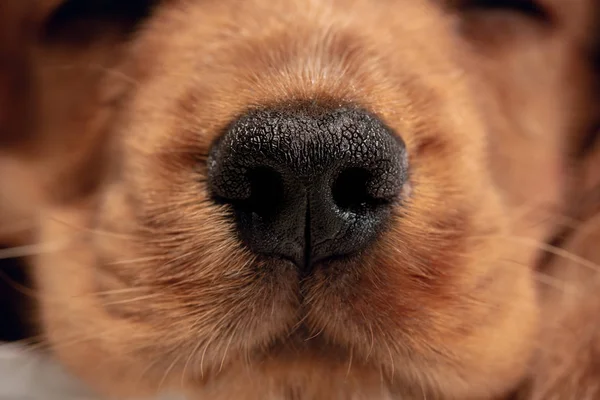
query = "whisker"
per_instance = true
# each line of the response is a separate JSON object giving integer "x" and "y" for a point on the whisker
{"x": 553, "y": 282}
{"x": 230, "y": 333}
{"x": 167, "y": 371}
{"x": 315, "y": 334}
{"x": 37, "y": 295}
{"x": 134, "y": 260}
{"x": 134, "y": 300}
{"x": 350, "y": 362}
{"x": 93, "y": 230}
{"x": 297, "y": 325}
{"x": 557, "y": 251}
{"x": 31, "y": 249}
{"x": 542, "y": 277}
{"x": 29, "y": 341}
{"x": 217, "y": 330}
{"x": 393, "y": 371}
{"x": 22, "y": 289}
{"x": 78, "y": 339}
{"x": 365, "y": 320}
{"x": 148, "y": 367}
{"x": 98, "y": 67}
{"x": 192, "y": 354}
{"x": 121, "y": 291}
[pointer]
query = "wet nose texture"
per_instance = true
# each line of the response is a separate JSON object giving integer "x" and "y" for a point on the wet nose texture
{"x": 308, "y": 183}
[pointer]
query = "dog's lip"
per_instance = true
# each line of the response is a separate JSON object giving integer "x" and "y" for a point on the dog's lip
{"x": 323, "y": 262}
{"x": 304, "y": 340}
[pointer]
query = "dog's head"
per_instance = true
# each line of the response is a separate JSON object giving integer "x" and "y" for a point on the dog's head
{"x": 302, "y": 198}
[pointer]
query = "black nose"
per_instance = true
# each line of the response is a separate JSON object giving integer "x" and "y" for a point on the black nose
{"x": 308, "y": 183}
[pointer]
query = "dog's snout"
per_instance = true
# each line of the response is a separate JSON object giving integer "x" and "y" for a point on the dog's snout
{"x": 308, "y": 183}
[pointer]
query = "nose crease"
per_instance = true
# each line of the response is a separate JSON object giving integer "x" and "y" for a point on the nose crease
{"x": 307, "y": 182}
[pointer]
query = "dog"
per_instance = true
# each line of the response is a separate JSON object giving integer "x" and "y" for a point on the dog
{"x": 302, "y": 199}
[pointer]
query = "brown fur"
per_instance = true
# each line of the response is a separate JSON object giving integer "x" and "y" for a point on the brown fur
{"x": 149, "y": 288}
{"x": 566, "y": 363}
{"x": 15, "y": 96}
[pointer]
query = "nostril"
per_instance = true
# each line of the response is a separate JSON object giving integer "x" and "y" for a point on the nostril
{"x": 307, "y": 182}
{"x": 266, "y": 191}
{"x": 350, "y": 190}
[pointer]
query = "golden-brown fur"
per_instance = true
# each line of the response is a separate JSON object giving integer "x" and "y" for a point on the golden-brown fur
{"x": 567, "y": 366}
{"x": 149, "y": 288}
